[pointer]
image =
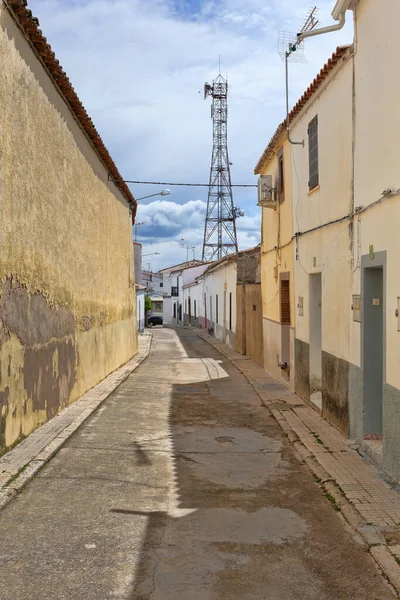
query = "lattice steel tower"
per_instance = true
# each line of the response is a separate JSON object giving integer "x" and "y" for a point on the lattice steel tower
{"x": 220, "y": 226}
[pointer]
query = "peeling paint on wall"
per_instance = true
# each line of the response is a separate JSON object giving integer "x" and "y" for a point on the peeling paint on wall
{"x": 67, "y": 288}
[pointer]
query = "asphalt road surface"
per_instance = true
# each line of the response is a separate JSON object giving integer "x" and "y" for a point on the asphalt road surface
{"x": 180, "y": 487}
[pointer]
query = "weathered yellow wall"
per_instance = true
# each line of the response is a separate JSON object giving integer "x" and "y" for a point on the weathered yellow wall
{"x": 67, "y": 295}
{"x": 277, "y": 230}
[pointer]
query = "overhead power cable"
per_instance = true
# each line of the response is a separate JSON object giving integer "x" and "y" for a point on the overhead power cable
{"x": 242, "y": 185}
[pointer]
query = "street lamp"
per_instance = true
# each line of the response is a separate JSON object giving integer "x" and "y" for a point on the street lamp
{"x": 150, "y": 254}
{"x": 165, "y": 192}
{"x": 193, "y": 248}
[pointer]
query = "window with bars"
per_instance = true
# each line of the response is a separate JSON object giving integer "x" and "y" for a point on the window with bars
{"x": 313, "y": 153}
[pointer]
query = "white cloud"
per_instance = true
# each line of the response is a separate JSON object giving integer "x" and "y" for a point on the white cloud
{"x": 138, "y": 66}
{"x": 164, "y": 224}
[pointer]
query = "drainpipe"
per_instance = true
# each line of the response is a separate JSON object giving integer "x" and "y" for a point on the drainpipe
{"x": 300, "y": 38}
{"x": 340, "y": 25}
{"x": 287, "y": 54}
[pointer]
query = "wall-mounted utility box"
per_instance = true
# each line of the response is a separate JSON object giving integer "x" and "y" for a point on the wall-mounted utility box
{"x": 300, "y": 306}
{"x": 356, "y": 308}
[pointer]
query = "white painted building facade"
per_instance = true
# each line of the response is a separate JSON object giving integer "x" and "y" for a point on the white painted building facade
{"x": 171, "y": 285}
{"x": 219, "y": 299}
{"x": 140, "y": 306}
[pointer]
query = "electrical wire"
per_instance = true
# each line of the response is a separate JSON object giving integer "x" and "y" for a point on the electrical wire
{"x": 273, "y": 298}
{"x": 241, "y": 185}
{"x": 279, "y": 247}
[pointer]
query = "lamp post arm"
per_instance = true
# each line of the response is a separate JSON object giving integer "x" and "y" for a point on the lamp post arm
{"x": 150, "y": 196}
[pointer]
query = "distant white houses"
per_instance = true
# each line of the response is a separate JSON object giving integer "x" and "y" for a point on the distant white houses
{"x": 172, "y": 283}
{"x": 222, "y": 297}
{"x": 140, "y": 306}
{"x": 218, "y": 309}
{"x": 139, "y": 287}
{"x": 206, "y": 295}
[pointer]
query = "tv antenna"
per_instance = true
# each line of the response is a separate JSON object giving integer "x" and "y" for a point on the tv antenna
{"x": 291, "y": 48}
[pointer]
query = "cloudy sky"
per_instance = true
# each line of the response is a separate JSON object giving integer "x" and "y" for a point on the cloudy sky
{"x": 138, "y": 67}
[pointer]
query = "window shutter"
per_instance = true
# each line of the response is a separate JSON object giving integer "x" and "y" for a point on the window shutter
{"x": 313, "y": 153}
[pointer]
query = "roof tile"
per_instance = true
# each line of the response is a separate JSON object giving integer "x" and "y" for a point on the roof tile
{"x": 340, "y": 52}
{"x": 30, "y": 25}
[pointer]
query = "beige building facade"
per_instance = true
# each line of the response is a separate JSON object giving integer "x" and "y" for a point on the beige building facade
{"x": 277, "y": 249}
{"x": 67, "y": 292}
{"x": 374, "y": 388}
{"x": 345, "y": 210}
{"x": 323, "y": 228}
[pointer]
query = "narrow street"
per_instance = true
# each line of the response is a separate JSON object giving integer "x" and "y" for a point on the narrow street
{"x": 180, "y": 487}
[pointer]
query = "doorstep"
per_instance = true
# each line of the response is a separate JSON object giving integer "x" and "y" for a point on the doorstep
{"x": 373, "y": 448}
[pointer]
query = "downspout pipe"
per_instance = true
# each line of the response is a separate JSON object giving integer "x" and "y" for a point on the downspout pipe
{"x": 287, "y": 54}
{"x": 300, "y": 37}
{"x": 313, "y": 32}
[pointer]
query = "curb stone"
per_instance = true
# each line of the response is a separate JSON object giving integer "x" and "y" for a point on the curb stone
{"x": 370, "y": 536}
{"x": 388, "y": 564}
{"x": 22, "y": 471}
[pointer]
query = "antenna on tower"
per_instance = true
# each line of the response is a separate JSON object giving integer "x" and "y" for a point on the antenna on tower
{"x": 220, "y": 224}
{"x": 291, "y": 48}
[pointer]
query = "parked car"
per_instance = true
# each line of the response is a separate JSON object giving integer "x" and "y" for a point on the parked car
{"x": 155, "y": 320}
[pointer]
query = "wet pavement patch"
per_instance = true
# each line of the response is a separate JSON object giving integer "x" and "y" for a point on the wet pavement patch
{"x": 270, "y": 525}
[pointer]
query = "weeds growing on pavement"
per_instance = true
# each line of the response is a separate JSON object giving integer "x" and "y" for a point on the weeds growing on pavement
{"x": 332, "y": 500}
{"x": 16, "y": 475}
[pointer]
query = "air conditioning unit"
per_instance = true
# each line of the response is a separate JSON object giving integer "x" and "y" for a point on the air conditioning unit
{"x": 267, "y": 196}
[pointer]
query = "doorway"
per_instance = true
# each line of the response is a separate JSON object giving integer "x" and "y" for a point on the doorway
{"x": 190, "y": 310}
{"x": 373, "y": 351}
{"x": 316, "y": 339}
{"x": 285, "y": 325}
{"x": 224, "y": 323}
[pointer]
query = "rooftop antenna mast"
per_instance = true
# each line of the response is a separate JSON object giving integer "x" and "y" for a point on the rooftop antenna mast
{"x": 291, "y": 48}
{"x": 220, "y": 225}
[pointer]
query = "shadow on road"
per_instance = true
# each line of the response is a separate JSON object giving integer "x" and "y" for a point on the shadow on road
{"x": 245, "y": 521}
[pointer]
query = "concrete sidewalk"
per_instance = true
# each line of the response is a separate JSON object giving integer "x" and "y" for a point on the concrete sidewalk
{"x": 20, "y": 464}
{"x": 366, "y": 498}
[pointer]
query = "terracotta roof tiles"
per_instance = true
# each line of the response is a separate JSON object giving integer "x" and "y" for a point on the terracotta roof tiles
{"x": 340, "y": 53}
{"x": 30, "y": 26}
